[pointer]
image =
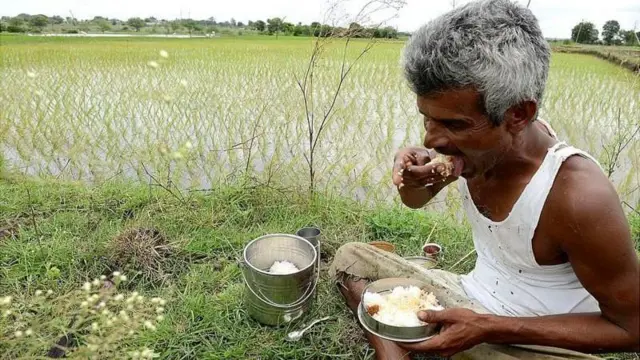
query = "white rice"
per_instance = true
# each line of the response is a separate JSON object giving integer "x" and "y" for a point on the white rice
{"x": 400, "y": 307}
{"x": 283, "y": 267}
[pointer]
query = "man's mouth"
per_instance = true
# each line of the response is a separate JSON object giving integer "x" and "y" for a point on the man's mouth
{"x": 458, "y": 165}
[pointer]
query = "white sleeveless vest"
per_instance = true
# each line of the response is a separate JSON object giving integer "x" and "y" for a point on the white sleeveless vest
{"x": 507, "y": 280}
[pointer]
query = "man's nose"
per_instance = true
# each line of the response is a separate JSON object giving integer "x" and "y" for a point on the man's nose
{"x": 435, "y": 137}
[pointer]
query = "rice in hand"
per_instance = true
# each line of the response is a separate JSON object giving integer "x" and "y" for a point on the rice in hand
{"x": 283, "y": 267}
{"x": 400, "y": 307}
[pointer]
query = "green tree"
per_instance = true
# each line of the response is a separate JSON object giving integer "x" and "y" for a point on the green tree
{"x": 16, "y": 25}
{"x": 175, "y": 25}
{"x": 629, "y": 37}
{"x": 274, "y": 25}
{"x": 57, "y": 20}
{"x": 104, "y": 25}
{"x": 610, "y": 31}
{"x": 584, "y": 33}
{"x": 260, "y": 25}
{"x": 136, "y": 23}
{"x": 39, "y": 21}
{"x": 191, "y": 26}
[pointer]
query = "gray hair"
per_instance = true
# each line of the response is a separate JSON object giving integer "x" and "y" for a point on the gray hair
{"x": 493, "y": 46}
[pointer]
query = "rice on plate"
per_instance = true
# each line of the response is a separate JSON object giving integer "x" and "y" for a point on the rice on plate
{"x": 400, "y": 306}
{"x": 283, "y": 267}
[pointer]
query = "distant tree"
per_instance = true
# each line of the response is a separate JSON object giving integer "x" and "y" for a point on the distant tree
{"x": 629, "y": 37}
{"x": 3, "y": 26}
{"x": 150, "y": 20}
{"x": 175, "y": 25}
{"x": 97, "y": 19}
{"x": 57, "y": 20}
{"x": 240, "y": 24}
{"x": 610, "y": 31}
{"x": 584, "y": 33}
{"x": 104, "y": 25}
{"x": 191, "y": 25}
{"x": 136, "y": 23}
{"x": 39, "y": 21}
{"x": 260, "y": 25}
{"x": 233, "y": 22}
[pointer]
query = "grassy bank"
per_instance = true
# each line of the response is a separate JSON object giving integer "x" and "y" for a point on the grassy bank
{"x": 74, "y": 229}
{"x": 58, "y": 235}
{"x": 627, "y": 57}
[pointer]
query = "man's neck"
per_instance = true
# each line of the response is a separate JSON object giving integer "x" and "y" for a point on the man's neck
{"x": 526, "y": 154}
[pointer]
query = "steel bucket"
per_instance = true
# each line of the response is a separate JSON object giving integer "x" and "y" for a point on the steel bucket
{"x": 277, "y": 299}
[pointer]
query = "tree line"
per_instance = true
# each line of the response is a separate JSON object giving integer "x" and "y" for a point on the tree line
{"x": 586, "y": 33}
{"x": 273, "y": 26}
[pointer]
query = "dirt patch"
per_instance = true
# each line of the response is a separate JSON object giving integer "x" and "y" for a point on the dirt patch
{"x": 143, "y": 250}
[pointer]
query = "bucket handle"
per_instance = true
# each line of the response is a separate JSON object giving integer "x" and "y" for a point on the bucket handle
{"x": 307, "y": 294}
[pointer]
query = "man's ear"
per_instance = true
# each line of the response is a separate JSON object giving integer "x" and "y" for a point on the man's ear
{"x": 519, "y": 116}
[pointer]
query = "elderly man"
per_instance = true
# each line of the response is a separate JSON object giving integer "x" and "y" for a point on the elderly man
{"x": 556, "y": 275}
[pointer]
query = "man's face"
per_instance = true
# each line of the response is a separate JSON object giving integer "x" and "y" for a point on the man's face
{"x": 457, "y": 125}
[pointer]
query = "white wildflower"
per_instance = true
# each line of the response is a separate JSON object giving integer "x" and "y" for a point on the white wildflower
{"x": 6, "y": 300}
{"x": 140, "y": 299}
{"x": 49, "y": 292}
{"x": 86, "y": 286}
{"x": 159, "y": 309}
{"x": 118, "y": 297}
{"x": 116, "y": 273}
{"x": 109, "y": 322}
{"x": 84, "y": 304}
{"x": 131, "y": 332}
{"x": 123, "y": 278}
{"x": 28, "y": 332}
{"x": 177, "y": 155}
{"x": 101, "y": 305}
{"x": 147, "y": 354}
{"x": 162, "y": 302}
{"x": 164, "y": 54}
{"x": 155, "y": 300}
{"x": 188, "y": 145}
{"x": 31, "y": 74}
{"x": 38, "y": 292}
{"x": 103, "y": 277}
{"x": 7, "y": 313}
{"x": 96, "y": 282}
{"x": 149, "y": 325}
{"x": 105, "y": 312}
{"x": 153, "y": 64}
{"x": 135, "y": 354}
{"x": 130, "y": 307}
{"x": 92, "y": 347}
{"x": 159, "y": 317}
{"x": 18, "y": 334}
{"x": 94, "y": 326}
{"x": 183, "y": 82}
{"x": 167, "y": 98}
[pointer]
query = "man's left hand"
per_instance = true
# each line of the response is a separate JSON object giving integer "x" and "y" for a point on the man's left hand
{"x": 461, "y": 329}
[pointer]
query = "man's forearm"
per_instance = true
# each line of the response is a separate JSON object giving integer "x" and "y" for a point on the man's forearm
{"x": 580, "y": 332}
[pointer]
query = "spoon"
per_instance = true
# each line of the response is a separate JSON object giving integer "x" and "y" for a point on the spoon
{"x": 297, "y": 335}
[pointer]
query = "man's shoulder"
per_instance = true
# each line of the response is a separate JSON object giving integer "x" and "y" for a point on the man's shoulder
{"x": 581, "y": 192}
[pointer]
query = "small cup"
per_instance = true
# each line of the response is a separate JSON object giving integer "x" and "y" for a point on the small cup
{"x": 432, "y": 250}
{"x": 312, "y": 234}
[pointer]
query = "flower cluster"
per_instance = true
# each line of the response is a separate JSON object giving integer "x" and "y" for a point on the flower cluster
{"x": 102, "y": 318}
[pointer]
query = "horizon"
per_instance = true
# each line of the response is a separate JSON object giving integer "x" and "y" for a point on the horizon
{"x": 556, "y": 20}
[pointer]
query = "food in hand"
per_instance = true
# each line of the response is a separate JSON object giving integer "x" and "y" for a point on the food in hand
{"x": 446, "y": 167}
{"x": 400, "y": 307}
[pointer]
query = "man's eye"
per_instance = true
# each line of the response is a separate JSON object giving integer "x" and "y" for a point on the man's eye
{"x": 455, "y": 125}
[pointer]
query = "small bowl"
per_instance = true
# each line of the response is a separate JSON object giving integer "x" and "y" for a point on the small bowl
{"x": 384, "y": 245}
{"x": 407, "y": 334}
{"x": 423, "y": 261}
{"x": 432, "y": 250}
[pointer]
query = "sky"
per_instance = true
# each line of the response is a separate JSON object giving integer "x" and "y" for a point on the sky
{"x": 556, "y": 17}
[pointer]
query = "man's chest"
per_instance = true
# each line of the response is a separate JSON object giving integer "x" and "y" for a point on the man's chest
{"x": 496, "y": 200}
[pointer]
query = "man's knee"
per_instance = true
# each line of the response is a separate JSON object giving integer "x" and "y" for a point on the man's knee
{"x": 349, "y": 249}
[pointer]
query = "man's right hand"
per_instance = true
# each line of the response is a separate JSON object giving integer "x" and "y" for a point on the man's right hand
{"x": 410, "y": 169}
{"x": 416, "y": 181}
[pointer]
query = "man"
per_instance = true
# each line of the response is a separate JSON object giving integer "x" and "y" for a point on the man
{"x": 556, "y": 272}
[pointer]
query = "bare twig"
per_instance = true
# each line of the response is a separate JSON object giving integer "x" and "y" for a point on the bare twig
{"x": 33, "y": 214}
{"x": 158, "y": 183}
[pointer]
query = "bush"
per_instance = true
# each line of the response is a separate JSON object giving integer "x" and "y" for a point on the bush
{"x": 70, "y": 31}
{"x": 15, "y": 29}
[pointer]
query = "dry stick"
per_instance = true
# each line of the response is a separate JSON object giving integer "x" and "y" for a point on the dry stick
{"x": 180, "y": 198}
{"x": 33, "y": 215}
{"x": 430, "y": 233}
{"x": 463, "y": 259}
{"x": 631, "y": 207}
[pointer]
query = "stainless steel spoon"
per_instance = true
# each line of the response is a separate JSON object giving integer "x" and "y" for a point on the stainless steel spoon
{"x": 297, "y": 335}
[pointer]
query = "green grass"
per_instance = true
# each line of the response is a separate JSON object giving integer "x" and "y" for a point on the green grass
{"x": 52, "y": 224}
{"x": 70, "y": 227}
